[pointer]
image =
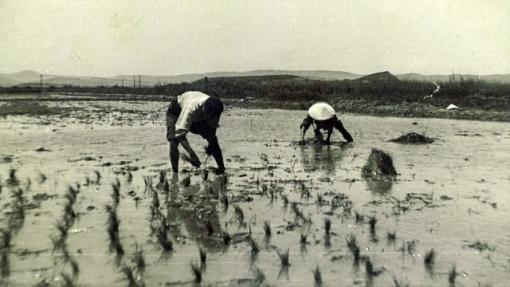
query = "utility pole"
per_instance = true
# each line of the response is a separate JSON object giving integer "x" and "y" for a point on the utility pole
{"x": 139, "y": 81}
{"x": 134, "y": 82}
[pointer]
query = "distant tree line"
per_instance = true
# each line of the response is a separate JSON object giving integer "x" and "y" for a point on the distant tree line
{"x": 292, "y": 88}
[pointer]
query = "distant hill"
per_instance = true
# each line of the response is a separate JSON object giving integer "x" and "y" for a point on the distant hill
{"x": 31, "y": 78}
{"x": 378, "y": 78}
{"x": 495, "y": 78}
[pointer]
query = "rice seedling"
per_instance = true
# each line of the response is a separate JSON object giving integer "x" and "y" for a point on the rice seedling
{"x": 155, "y": 201}
{"x": 391, "y": 237}
{"x": 164, "y": 242}
{"x": 116, "y": 192}
{"x": 197, "y": 273}
{"x": 411, "y": 247}
{"x": 372, "y": 221}
{"x": 186, "y": 182}
{"x": 327, "y": 226}
{"x": 317, "y": 277}
{"x": 305, "y": 192}
{"x": 67, "y": 280}
{"x": 162, "y": 178}
{"x": 429, "y": 259}
{"x": 98, "y": 177}
{"x": 5, "y": 266}
{"x": 42, "y": 178}
{"x": 148, "y": 183}
{"x": 452, "y": 275}
{"x": 224, "y": 201}
{"x": 267, "y": 229}
{"x": 61, "y": 237}
{"x": 320, "y": 200}
{"x": 226, "y": 238}
{"x": 139, "y": 260}
{"x": 203, "y": 256}
{"x": 353, "y": 247}
{"x": 129, "y": 176}
{"x": 297, "y": 212}
{"x": 254, "y": 247}
{"x": 284, "y": 264}
{"x": 358, "y": 217}
{"x": 75, "y": 268}
{"x": 5, "y": 239}
{"x": 209, "y": 228}
{"x": 284, "y": 258}
{"x": 399, "y": 283}
{"x": 370, "y": 271}
{"x": 17, "y": 195}
{"x": 260, "y": 277}
{"x": 129, "y": 276}
{"x": 239, "y": 214}
{"x": 271, "y": 195}
{"x": 12, "y": 180}
{"x": 285, "y": 200}
{"x": 28, "y": 185}
{"x": 166, "y": 187}
{"x": 87, "y": 181}
{"x": 119, "y": 252}
{"x": 71, "y": 195}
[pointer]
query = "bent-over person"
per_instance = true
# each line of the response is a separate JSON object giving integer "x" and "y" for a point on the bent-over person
{"x": 197, "y": 113}
{"x": 323, "y": 116}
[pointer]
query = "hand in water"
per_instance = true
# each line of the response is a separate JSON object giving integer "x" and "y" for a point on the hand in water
{"x": 195, "y": 162}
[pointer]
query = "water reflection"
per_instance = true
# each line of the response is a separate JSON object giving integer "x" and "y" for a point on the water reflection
{"x": 322, "y": 157}
{"x": 195, "y": 209}
{"x": 378, "y": 185}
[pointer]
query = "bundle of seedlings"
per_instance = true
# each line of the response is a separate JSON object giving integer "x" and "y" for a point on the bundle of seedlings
{"x": 353, "y": 247}
{"x": 413, "y": 138}
{"x": 379, "y": 165}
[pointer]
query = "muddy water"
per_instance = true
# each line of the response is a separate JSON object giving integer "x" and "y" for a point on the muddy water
{"x": 448, "y": 196}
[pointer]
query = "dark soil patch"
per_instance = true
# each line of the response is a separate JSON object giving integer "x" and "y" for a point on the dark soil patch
{"x": 413, "y": 138}
{"x": 379, "y": 164}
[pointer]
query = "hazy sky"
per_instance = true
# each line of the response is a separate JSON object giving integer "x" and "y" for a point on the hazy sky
{"x": 86, "y": 37}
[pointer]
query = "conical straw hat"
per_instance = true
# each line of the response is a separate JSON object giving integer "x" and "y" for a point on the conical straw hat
{"x": 321, "y": 111}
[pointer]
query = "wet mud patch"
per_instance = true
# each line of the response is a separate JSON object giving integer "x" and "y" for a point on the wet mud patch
{"x": 413, "y": 138}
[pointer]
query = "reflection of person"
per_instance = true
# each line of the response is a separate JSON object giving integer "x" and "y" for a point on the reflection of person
{"x": 323, "y": 116}
{"x": 198, "y": 113}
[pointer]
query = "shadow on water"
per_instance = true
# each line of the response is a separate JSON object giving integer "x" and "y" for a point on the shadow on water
{"x": 322, "y": 157}
{"x": 195, "y": 209}
{"x": 378, "y": 185}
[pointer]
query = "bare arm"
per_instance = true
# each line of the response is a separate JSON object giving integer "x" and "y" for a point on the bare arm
{"x": 305, "y": 125}
{"x": 340, "y": 127}
{"x": 193, "y": 156}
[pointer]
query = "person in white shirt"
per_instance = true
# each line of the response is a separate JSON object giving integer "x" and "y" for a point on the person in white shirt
{"x": 197, "y": 113}
{"x": 323, "y": 116}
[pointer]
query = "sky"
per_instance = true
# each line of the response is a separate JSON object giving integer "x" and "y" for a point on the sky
{"x": 120, "y": 37}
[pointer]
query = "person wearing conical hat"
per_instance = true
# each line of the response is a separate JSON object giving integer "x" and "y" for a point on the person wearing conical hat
{"x": 323, "y": 116}
{"x": 197, "y": 113}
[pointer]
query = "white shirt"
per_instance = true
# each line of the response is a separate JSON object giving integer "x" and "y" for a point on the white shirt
{"x": 191, "y": 104}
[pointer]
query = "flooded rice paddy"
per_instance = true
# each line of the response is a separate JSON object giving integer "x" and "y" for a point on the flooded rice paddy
{"x": 87, "y": 199}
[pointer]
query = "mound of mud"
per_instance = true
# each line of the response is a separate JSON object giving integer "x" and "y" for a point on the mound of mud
{"x": 413, "y": 138}
{"x": 379, "y": 164}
